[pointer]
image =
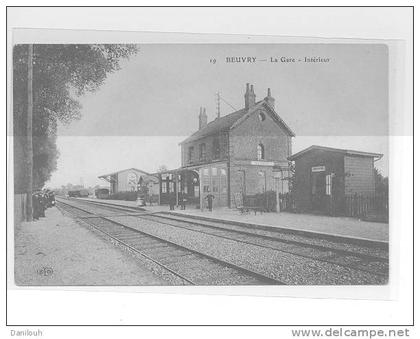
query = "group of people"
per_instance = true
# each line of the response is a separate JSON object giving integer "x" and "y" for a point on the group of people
{"x": 41, "y": 200}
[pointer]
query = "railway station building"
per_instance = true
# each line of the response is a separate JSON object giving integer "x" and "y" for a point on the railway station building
{"x": 325, "y": 176}
{"x": 242, "y": 152}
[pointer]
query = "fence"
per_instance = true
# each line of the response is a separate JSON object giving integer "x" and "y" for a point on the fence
{"x": 268, "y": 201}
{"x": 362, "y": 206}
{"x": 374, "y": 207}
{"x": 287, "y": 202}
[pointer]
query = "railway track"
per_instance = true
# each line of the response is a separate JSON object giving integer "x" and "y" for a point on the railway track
{"x": 190, "y": 267}
{"x": 359, "y": 258}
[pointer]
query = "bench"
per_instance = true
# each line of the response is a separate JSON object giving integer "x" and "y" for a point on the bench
{"x": 247, "y": 207}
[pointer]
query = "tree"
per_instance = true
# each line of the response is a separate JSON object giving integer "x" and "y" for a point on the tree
{"x": 61, "y": 73}
{"x": 381, "y": 183}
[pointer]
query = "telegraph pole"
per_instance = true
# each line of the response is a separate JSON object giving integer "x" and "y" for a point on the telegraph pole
{"x": 218, "y": 104}
{"x": 29, "y": 149}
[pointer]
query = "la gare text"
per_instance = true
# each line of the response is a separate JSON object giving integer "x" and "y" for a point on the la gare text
{"x": 280, "y": 59}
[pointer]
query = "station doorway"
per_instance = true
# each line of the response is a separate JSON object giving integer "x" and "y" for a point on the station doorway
{"x": 321, "y": 184}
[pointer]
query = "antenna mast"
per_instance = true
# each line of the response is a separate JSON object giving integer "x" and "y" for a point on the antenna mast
{"x": 218, "y": 104}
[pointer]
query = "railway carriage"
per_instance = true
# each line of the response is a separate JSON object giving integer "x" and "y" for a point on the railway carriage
{"x": 78, "y": 193}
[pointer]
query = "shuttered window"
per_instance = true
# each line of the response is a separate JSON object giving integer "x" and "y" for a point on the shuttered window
{"x": 328, "y": 184}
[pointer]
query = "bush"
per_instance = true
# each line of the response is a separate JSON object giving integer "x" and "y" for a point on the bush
{"x": 127, "y": 195}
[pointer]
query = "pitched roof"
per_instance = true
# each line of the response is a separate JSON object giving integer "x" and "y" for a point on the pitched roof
{"x": 127, "y": 169}
{"x": 339, "y": 150}
{"x": 216, "y": 126}
{"x": 231, "y": 120}
{"x": 271, "y": 110}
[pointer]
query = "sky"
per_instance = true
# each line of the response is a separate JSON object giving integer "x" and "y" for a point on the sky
{"x": 141, "y": 112}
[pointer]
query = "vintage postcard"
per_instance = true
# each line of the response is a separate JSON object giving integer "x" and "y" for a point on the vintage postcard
{"x": 177, "y": 164}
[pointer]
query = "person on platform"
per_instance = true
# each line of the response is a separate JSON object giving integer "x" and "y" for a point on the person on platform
{"x": 38, "y": 205}
{"x": 183, "y": 200}
{"x": 172, "y": 201}
{"x": 209, "y": 199}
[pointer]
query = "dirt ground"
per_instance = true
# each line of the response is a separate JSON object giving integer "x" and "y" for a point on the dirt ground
{"x": 58, "y": 251}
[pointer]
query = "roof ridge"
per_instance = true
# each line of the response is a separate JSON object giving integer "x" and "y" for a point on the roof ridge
{"x": 123, "y": 170}
{"x": 206, "y": 130}
{"x": 334, "y": 149}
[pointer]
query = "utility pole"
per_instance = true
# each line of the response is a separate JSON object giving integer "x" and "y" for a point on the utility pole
{"x": 218, "y": 104}
{"x": 29, "y": 149}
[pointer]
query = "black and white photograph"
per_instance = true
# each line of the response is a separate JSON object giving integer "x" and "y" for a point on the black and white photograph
{"x": 208, "y": 164}
{"x": 188, "y": 163}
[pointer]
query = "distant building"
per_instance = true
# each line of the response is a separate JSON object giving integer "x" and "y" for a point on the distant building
{"x": 129, "y": 180}
{"x": 324, "y": 176}
{"x": 236, "y": 153}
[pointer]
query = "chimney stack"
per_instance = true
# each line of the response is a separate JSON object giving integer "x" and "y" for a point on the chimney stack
{"x": 202, "y": 118}
{"x": 249, "y": 96}
{"x": 269, "y": 99}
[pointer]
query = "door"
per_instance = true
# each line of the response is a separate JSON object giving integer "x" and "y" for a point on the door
{"x": 318, "y": 191}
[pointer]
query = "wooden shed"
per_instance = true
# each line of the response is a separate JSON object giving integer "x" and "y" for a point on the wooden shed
{"x": 325, "y": 176}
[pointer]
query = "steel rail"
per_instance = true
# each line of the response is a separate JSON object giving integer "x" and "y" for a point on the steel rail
{"x": 129, "y": 246}
{"x": 342, "y": 253}
{"x": 275, "y": 231}
{"x": 355, "y": 267}
{"x": 247, "y": 271}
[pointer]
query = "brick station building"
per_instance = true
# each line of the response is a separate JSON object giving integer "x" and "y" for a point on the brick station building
{"x": 236, "y": 153}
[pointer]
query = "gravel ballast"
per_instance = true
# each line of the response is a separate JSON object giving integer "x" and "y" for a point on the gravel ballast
{"x": 286, "y": 267}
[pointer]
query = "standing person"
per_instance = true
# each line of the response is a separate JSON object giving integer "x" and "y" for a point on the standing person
{"x": 172, "y": 201}
{"x": 183, "y": 200}
{"x": 209, "y": 199}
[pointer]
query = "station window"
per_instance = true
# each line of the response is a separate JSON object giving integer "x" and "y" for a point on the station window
{"x": 216, "y": 148}
{"x": 164, "y": 188}
{"x": 206, "y": 188}
{"x": 202, "y": 153}
{"x": 328, "y": 184}
{"x": 260, "y": 152}
{"x": 222, "y": 171}
{"x": 215, "y": 188}
{"x": 190, "y": 153}
{"x": 214, "y": 171}
{"x": 205, "y": 171}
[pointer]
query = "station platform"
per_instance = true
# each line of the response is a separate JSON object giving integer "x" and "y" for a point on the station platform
{"x": 73, "y": 255}
{"x": 336, "y": 226}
